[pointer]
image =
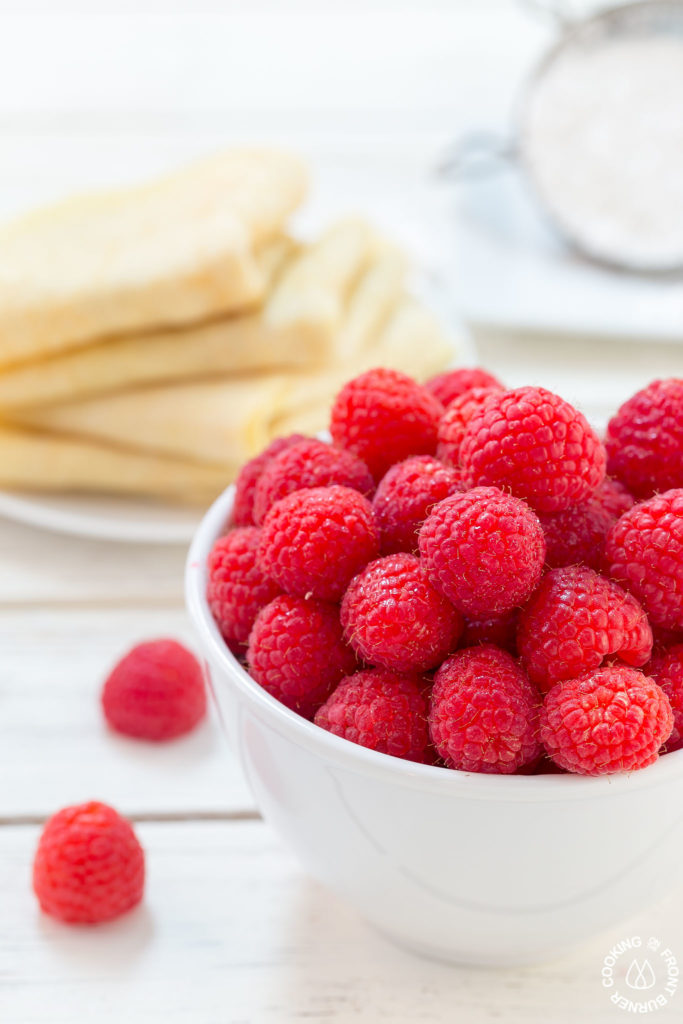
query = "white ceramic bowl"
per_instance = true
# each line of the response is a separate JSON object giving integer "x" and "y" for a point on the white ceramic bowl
{"x": 480, "y": 869}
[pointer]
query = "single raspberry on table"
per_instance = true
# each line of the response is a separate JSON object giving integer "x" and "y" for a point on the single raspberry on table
{"x": 453, "y": 423}
{"x": 309, "y": 463}
{"x": 156, "y": 692}
{"x": 484, "y": 712}
{"x": 499, "y": 630}
{"x": 381, "y": 710}
{"x": 574, "y": 621}
{"x": 576, "y": 535}
{"x": 644, "y": 551}
{"x": 393, "y": 616}
{"x": 449, "y": 385}
{"x": 249, "y": 475}
{"x": 534, "y": 444}
{"x": 297, "y": 652}
{"x": 484, "y": 550}
{"x": 89, "y": 866}
{"x": 405, "y": 496}
{"x": 614, "y": 719}
{"x": 645, "y": 438}
{"x": 666, "y": 668}
{"x": 383, "y": 417}
{"x": 613, "y": 497}
{"x": 314, "y": 541}
{"x": 237, "y": 588}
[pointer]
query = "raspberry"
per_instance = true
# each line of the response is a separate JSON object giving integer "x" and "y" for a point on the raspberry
{"x": 645, "y": 437}
{"x": 449, "y": 385}
{"x": 381, "y": 710}
{"x": 484, "y": 712}
{"x": 297, "y": 652}
{"x": 405, "y": 496}
{"x": 610, "y": 720}
{"x": 156, "y": 692}
{"x": 499, "y": 630}
{"x": 249, "y": 475}
{"x": 535, "y": 444}
{"x": 309, "y": 463}
{"x": 613, "y": 497}
{"x": 237, "y": 589}
{"x": 574, "y": 621}
{"x": 453, "y": 423}
{"x": 89, "y": 866}
{"x": 383, "y": 417}
{"x": 577, "y": 535}
{"x": 315, "y": 541}
{"x": 394, "y": 617}
{"x": 484, "y": 550}
{"x": 666, "y": 668}
{"x": 645, "y": 552}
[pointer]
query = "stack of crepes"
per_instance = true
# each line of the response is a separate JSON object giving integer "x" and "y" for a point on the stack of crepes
{"x": 153, "y": 339}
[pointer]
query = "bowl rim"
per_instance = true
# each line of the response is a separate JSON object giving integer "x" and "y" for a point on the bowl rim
{"x": 354, "y": 757}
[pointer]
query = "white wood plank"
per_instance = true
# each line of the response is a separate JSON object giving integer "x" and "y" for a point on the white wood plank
{"x": 55, "y": 746}
{"x": 232, "y": 932}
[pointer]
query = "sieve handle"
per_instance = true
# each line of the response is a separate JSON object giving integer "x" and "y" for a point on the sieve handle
{"x": 477, "y": 154}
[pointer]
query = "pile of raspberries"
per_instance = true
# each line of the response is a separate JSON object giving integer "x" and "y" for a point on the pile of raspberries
{"x": 468, "y": 576}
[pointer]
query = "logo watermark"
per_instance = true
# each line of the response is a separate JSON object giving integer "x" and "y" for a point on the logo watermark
{"x": 640, "y": 976}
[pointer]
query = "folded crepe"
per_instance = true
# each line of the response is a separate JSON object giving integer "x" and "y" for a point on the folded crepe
{"x": 172, "y": 252}
{"x": 298, "y": 326}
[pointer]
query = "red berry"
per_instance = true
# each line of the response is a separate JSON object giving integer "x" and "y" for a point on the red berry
{"x": 156, "y": 692}
{"x": 499, "y": 630}
{"x": 613, "y": 719}
{"x": 577, "y": 535}
{"x": 381, "y": 710}
{"x": 484, "y": 712}
{"x": 666, "y": 668}
{"x": 249, "y": 475}
{"x": 645, "y": 552}
{"x": 613, "y": 497}
{"x": 297, "y": 652}
{"x": 383, "y": 416}
{"x": 404, "y": 497}
{"x": 454, "y": 422}
{"x": 536, "y": 445}
{"x": 447, "y": 386}
{"x": 237, "y": 589}
{"x": 314, "y": 542}
{"x": 484, "y": 550}
{"x": 574, "y": 621}
{"x": 309, "y": 463}
{"x": 89, "y": 866}
{"x": 645, "y": 438}
{"x": 394, "y": 617}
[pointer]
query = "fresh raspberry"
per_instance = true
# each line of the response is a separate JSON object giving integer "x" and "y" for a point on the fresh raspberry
{"x": 577, "y": 535}
{"x": 297, "y": 652}
{"x": 237, "y": 589}
{"x": 383, "y": 417}
{"x": 614, "y": 497}
{"x": 449, "y": 385}
{"x": 645, "y": 438}
{"x": 381, "y": 710}
{"x": 394, "y": 617}
{"x": 249, "y": 475}
{"x": 89, "y": 866}
{"x": 155, "y": 692}
{"x": 454, "y": 422}
{"x": 645, "y": 552}
{"x": 610, "y": 720}
{"x": 499, "y": 630}
{"x": 484, "y": 712}
{"x": 574, "y": 621}
{"x": 315, "y": 541}
{"x": 536, "y": 445}
{"x": 309, "y": 463}
{"x": 404, "y": 497}
{"x": 484, "y": 550}
{"x": 666, "y": 668}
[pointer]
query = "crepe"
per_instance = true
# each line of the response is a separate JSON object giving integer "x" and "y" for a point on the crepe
{"x": 298, "y": 327}
{"x": 172, "y": 252}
